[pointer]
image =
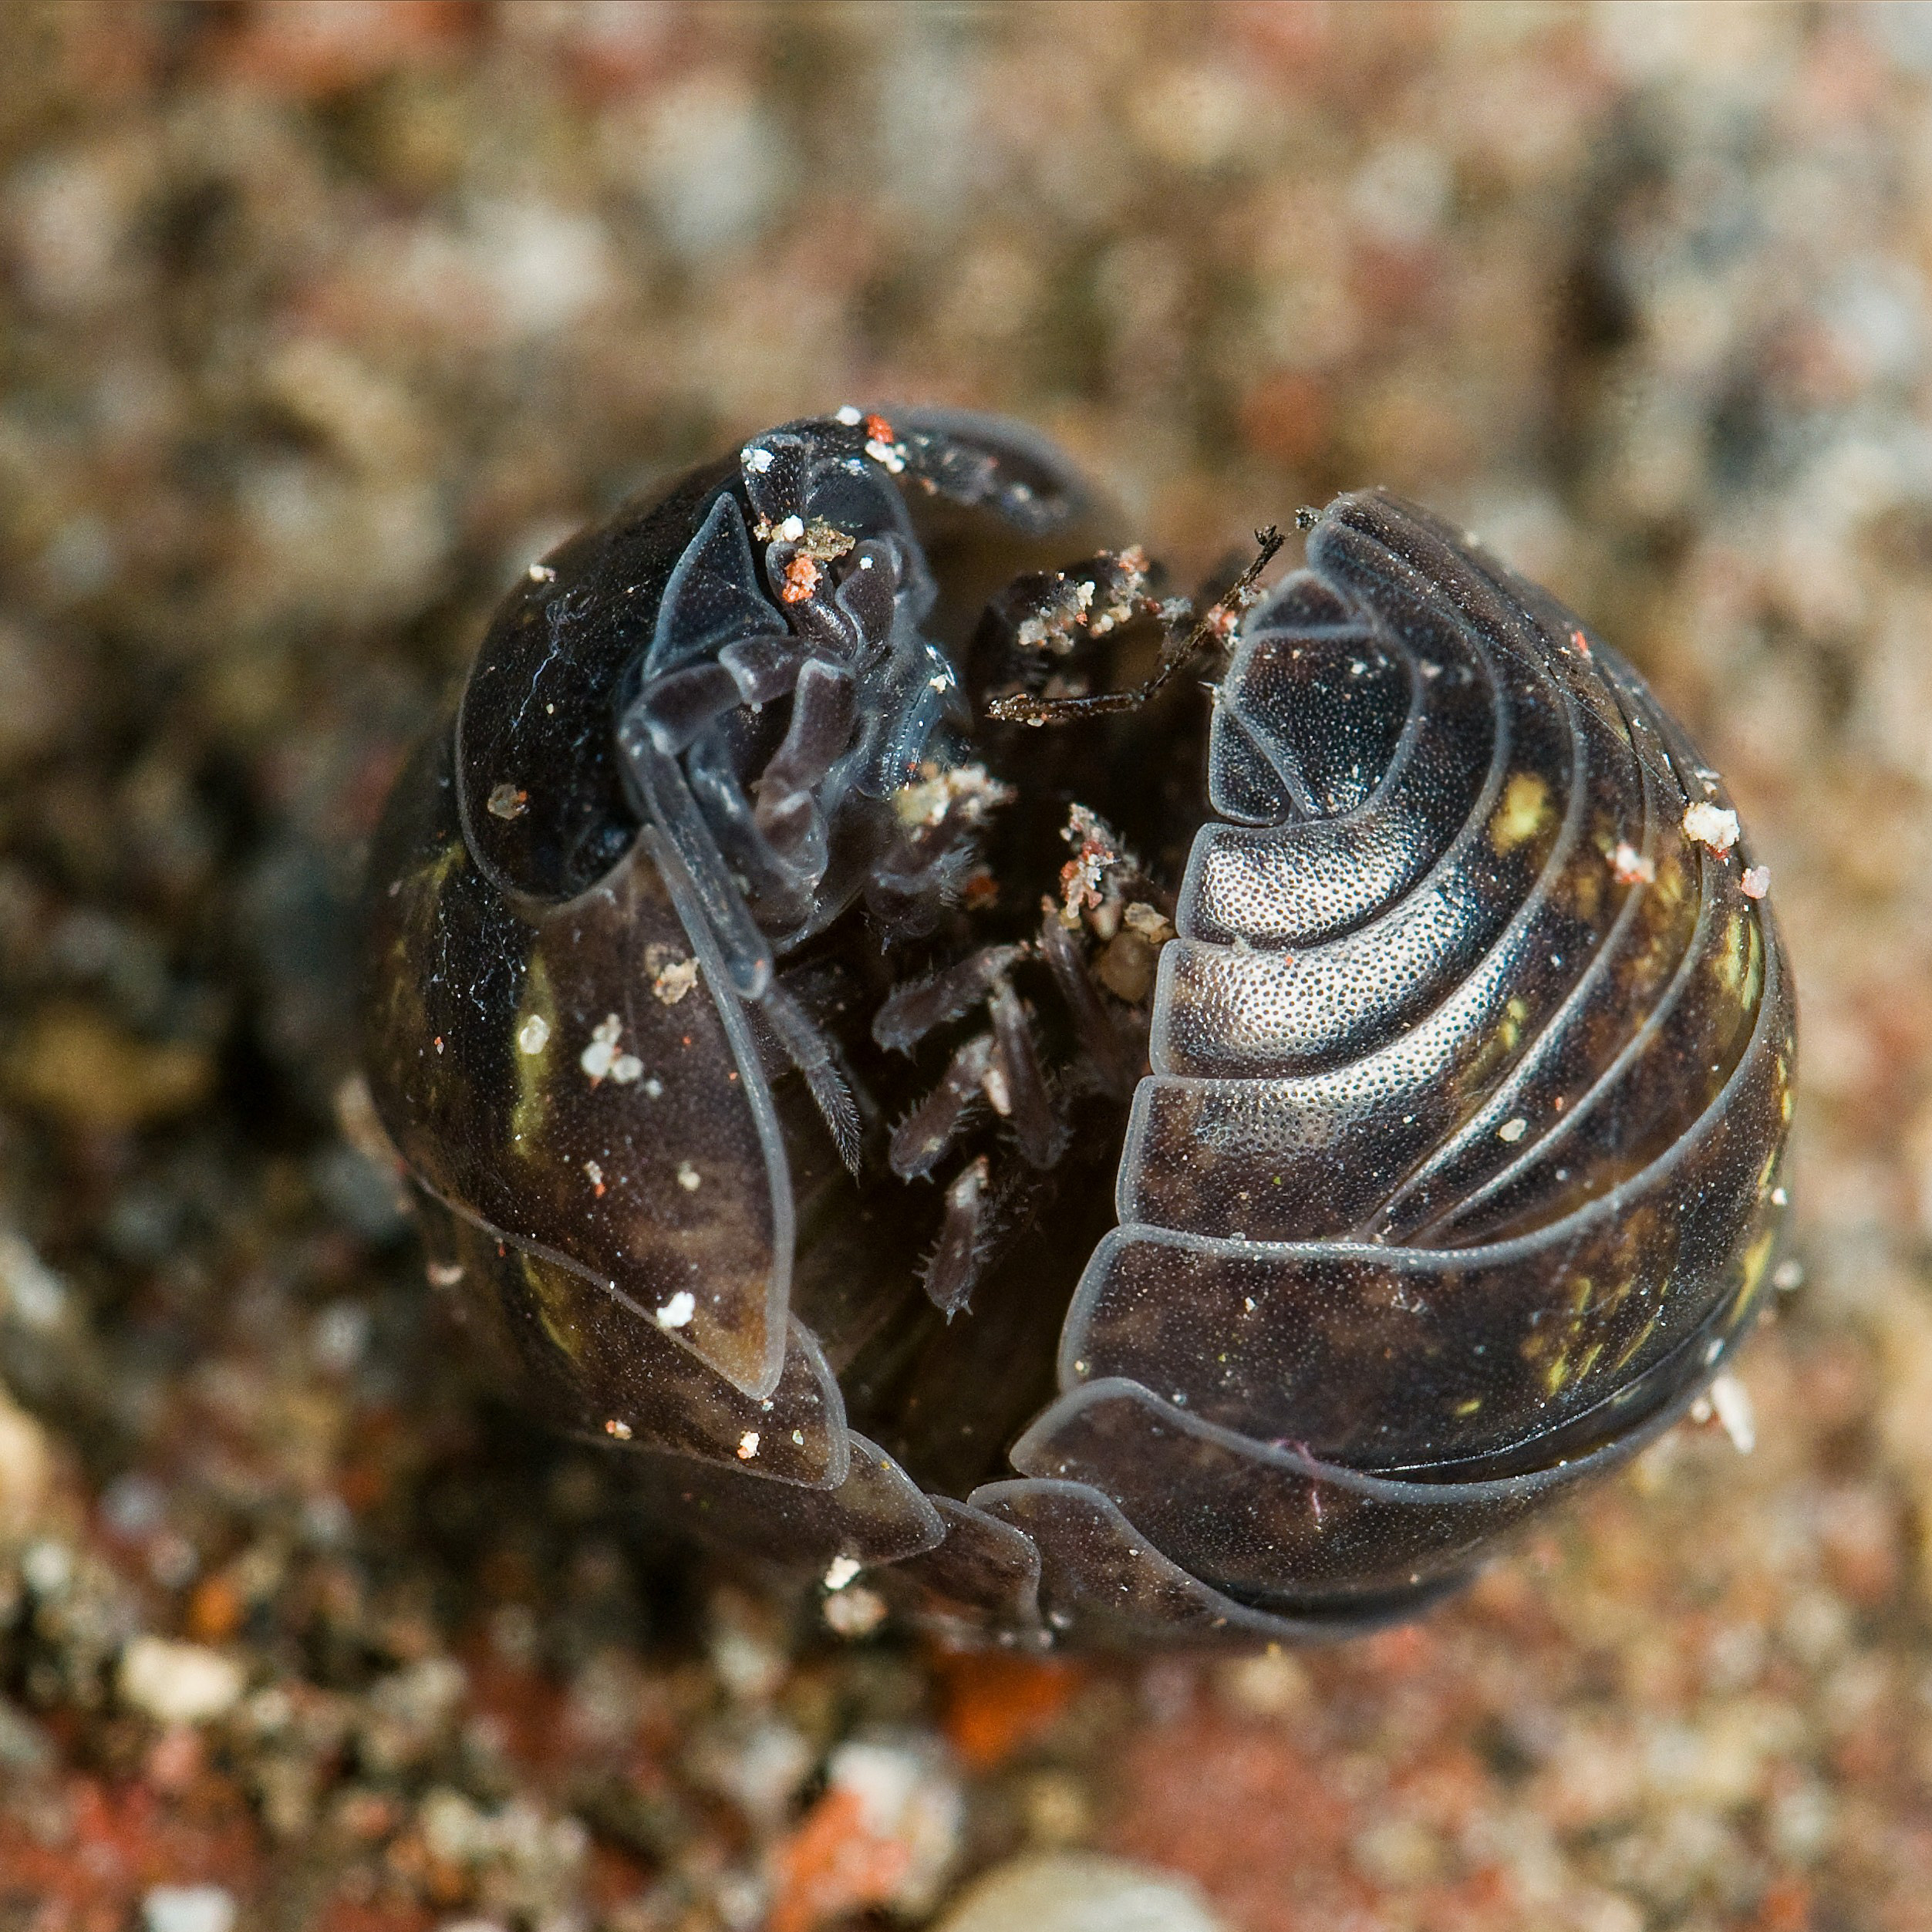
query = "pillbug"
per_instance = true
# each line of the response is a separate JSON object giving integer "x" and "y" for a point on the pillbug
{"x": 1093, "y": 1207}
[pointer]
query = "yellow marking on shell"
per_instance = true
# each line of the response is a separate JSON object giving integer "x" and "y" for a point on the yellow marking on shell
{"x": 1594, "y": 858}
{"x": 1470, "y": 1407}
{"x": 1642, "y": 1335}
{"x": 424, "y": 886}
{"x": 419, "y": 891}
{"x": 1664, "y": 931}
{"x": 1585, "y": 1336}
{"x": 553, "y": 1298}
{"x": 1757, "y": 1258}
{"x": 404, "y": 1036}
{"x": 1497, "y": 1049}
{"x": 535, "y": 1071}
{"x": 1584, "y": 881}
{"x": 1754, "y": 971}
{"x": 1732, "y": 956}
{"x": 1521, "y": 814}
{"x": 452, "y": 857}
{"x": 1612, "y": 1301}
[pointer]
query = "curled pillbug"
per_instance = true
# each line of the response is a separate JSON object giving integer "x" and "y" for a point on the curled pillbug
{"x": 981, "y": 1162}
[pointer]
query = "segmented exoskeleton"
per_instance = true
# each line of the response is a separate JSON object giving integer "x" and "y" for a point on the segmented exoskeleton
{"x": 768, "y": 1119}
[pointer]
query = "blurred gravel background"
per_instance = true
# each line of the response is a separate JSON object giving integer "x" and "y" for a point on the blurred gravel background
{"x": 320, "y": 321}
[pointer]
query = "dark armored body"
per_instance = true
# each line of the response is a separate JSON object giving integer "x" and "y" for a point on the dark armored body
{"x": 1095, "y": 1206}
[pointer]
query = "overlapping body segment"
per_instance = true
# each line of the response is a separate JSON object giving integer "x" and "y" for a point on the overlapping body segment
{"x": 1346, "y": 1162}
{"x": 1516, "y": 1209}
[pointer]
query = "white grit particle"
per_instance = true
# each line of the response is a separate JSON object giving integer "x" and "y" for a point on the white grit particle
{"x": 675, "y": 981}
{"x": 178, "y": 1683}
{"x": 534, "y": 1035}
{"x": 677, "y": 1310}
{"x": 1756, "y": 881}
{"x": 856, "y": 1612}
{"x": 542, "y": 573}
{"x": 188, "y": 1908}
{"x": 689, "y": 1177}
{"x": 747, "y": 1445}
{"x": 626, "y": 1068}
{"x": 1732, "y": 1403}
{"x": 850, "y": 417}
{"x": 598, "y": 1058}
{"x": 621, "y": 1430}
{"x": 841, "y": 1571}
{"x": 1629, "y": 866}
{"x": 1512, "y": 1130}
{"x": 1712, "y": 826}
{"x": 756, "y": 459}
{"x": 790, "y": 530}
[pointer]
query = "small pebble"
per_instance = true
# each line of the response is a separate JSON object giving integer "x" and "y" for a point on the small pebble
{"x": 188, "y": 1908}
{"x": 1078, "y": 1892}
{"x": 178, "y": 1683}
{"x": 47, "y": 1567}
{"x": 30, "y": 1291}
{"x": 24, "y": 1746}
{"x": 854, "y": 1612}
{"x": 26, "y": 1470}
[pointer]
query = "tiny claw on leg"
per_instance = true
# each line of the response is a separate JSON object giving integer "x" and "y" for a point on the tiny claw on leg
{"x": 1099, "y": 1038}
{"x": 811, "y": 1053}
{"x": 1042, "y": 1138}
{"x": 913, "y": 1011}
{"x": 954, "y": 1268}
{"x": 931, "y": 1127}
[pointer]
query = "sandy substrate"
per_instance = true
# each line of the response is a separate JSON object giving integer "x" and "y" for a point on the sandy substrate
{"x": 320, "y": 322}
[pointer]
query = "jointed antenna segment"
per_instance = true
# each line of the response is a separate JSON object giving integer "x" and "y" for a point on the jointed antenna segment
{"x": 1215, "y": 624}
